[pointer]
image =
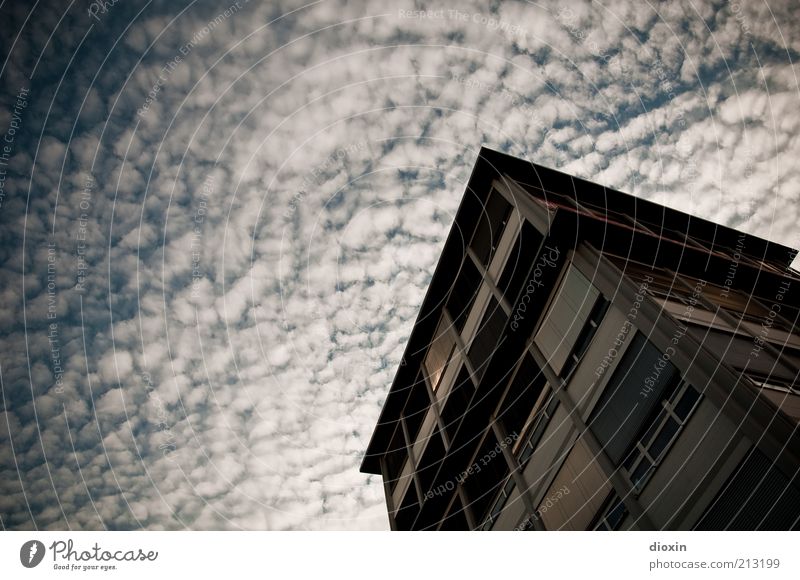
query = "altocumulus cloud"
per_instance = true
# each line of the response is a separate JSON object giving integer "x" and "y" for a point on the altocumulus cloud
{"x": 219, "y": 220}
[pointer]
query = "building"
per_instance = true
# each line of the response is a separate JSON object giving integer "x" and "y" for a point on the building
{"x": 584, "y": 359}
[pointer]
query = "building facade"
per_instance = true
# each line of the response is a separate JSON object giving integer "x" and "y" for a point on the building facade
{"x": 587, "y": 360}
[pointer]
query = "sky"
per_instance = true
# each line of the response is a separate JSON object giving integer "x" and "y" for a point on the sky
{"x": 218, "y": 219}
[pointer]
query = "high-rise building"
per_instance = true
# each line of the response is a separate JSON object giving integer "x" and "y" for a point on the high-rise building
{"x": 585, "y": 359}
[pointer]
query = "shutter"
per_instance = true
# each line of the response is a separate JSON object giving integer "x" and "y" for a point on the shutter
{"x": 622, "y": 410}
{"x": 566, "y": 318}
{"x": 757, "y": 496}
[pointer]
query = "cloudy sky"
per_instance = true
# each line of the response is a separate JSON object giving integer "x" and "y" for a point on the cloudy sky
{"x": 218, "y": 219}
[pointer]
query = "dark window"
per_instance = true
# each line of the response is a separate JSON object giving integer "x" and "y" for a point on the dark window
{"x": 519, "y": 261}
{"x": 685, "y": 405}
{"x": 482, "y": 486}
{"x": 416, "y": 407}
{"x": 536, "y": 426}
{"x": 486, "y": 337}
{"x": 431, "y": 461}
{"x": 612, "y": 514}
{"x": 457, "y": 401}
{"x": 455, "y": 520}
{"x": 463, "y": 294}
{"x": 522, "y": 395}
{"x": 499, "y": 504}
{"x": 664, "y": 438}
{"x": 396, "y": 455}
{"x": 641, "y": 472}
{"x": 408, "y": 511}
{"x": 491, "y": 224}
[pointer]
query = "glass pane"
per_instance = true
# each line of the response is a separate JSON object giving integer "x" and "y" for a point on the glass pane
{"x": 518, "y": 263}
{"x": 442, "y": 345}
{"x": 463, "y": 294}
{"x": 631, "y": 459}
{"x": 663, "y": 439}
{"x": 455, "y": 408}
{"x": 523, "y": 393}
{"x": 498, "y": 507}
{"x": 684, "y": 406}
{"x": 527, "y": 451}
{"x": 641, "y": 472}
{"x": 616, "y": 515}
{"x": 485, "y": 341}
{"x": 645, "y": 439}
{"x": 491, "y": 223}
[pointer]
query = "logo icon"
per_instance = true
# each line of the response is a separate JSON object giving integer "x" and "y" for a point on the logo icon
{"x": 31, "y": 553}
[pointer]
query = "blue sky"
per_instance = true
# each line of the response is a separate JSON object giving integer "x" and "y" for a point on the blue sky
{"x": 218, "y": 220}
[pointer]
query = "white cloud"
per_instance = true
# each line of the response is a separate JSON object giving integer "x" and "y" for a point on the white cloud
{"x": 279, "y": 209}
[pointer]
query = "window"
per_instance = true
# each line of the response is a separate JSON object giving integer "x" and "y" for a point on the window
{"x": 649, "y": 451}
{"x": 585, "y": 337}
{"x": 638, "y": 384}
{"x": 441, "y": 348}
{"x": 493, "y": 218}
{"x": 499, "y": 504}
{"x": 612, "y": 516}
{"x": 524, "y": 390}
{"x": 534, "y": 429}
{"x": 463, "y": 294}
{"x": 457, "y": 401}
{"x": 573, "y": 303}
{"x": 518, "y": 263}
{"x": 482, "y": 485}
{"x": 416, "y": 407}
{"x": 485, "y": 342}
{"x": 396, "y": 456}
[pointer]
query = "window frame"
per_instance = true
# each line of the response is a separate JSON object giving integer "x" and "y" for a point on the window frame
{"x": 641, "y": 450}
